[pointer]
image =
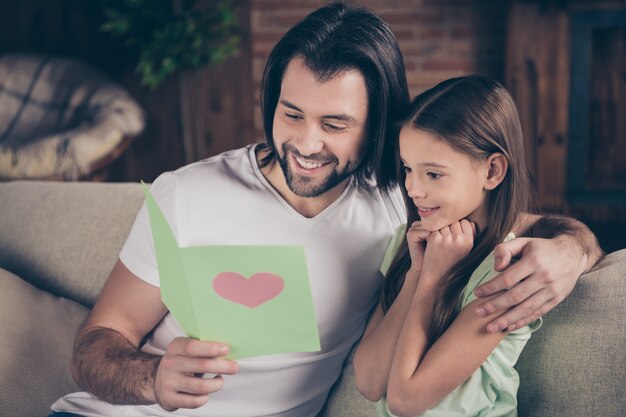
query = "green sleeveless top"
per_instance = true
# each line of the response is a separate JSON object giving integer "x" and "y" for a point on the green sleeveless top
{"x": 492, "y": 389}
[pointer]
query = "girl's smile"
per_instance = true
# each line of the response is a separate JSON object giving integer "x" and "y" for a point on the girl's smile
{"x": 426, "y": 211}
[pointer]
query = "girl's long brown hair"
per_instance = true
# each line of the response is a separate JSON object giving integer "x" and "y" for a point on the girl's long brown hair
{"x": 475, "y": 115}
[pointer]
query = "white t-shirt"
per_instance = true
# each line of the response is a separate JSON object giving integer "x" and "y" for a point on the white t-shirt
{"x": 226, "y": 200}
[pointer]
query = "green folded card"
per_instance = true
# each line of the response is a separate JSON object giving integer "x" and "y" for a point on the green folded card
{"x": 256, "y": 299}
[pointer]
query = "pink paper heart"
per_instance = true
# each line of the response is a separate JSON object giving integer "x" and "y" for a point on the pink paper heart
{"x": 251, "y": 292}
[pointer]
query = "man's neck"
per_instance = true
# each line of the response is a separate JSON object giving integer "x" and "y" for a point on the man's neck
{"x": 306, "y": 206}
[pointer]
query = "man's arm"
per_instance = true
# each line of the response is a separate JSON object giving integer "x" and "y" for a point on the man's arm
{"x": 557, "y": 252}
{"x": 108, "y": 363}
{"x": 106, "y": 348}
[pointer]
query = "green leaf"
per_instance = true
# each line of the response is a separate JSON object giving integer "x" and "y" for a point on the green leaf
{"x": 170, "y": 35}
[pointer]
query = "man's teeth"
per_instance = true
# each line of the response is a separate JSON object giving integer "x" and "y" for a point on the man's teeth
{"x": 309, "y": 165}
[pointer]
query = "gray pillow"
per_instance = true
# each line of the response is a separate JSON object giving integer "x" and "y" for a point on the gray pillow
{"x": 36, "y": 336}
{"x": 65, "y": 237}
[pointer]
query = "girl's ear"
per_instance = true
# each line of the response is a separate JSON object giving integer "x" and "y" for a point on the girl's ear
{"x": 498, "y": 166}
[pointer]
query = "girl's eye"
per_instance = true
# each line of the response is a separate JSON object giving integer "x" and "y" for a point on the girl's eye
{"x": 406, "y": 168}
{"x": 293, "y": 116}
{"x": 433, "y": 175}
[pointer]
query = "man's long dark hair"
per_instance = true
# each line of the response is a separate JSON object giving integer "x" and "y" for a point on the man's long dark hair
{"x": 476, "y": 116}
{"x": 334, "y": 39}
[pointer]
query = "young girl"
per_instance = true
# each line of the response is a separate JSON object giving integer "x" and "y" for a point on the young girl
{"x": 466, "y": 189}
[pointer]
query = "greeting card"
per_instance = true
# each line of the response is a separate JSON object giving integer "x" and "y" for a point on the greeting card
{"x": 256, "y": 299}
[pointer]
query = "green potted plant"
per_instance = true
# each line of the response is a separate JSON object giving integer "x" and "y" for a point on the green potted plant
{"x": 169, "y": 35}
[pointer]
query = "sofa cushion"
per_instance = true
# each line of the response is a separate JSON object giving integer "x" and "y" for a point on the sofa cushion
{"x": 65, "y": 237}
{"x": 344, "y": 400}
{"x": 574, "y": 365}
{"x": 36, "y": 336}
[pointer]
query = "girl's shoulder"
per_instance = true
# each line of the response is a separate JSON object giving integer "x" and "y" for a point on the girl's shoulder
{"x": 525, "y": 223}
{"x": 484, "y": 272}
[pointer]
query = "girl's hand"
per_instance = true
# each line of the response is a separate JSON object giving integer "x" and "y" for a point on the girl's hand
{"x": 416, "y": 238}
{"x": 446, "y": 247}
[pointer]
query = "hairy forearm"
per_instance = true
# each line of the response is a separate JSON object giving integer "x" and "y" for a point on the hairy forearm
{"x": 572, "y": 232}
{"x": 107, "y": 365}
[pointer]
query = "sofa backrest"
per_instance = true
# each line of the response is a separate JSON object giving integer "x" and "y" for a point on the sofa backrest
{"x": 65, "y": 237}
{"x": 575, "y": 364}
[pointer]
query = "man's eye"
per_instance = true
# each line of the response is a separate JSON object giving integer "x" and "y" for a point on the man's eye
{"x": 293, "y": 116}
{"x": 333, "y": 128}
{"x": 406, "y": 168}
{"x": 433, "y": 175}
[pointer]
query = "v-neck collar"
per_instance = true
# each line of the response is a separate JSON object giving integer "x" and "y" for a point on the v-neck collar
{"x": 293, "y": 212}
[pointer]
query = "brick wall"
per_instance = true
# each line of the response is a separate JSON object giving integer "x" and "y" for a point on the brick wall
{"x": 439, "y": 39}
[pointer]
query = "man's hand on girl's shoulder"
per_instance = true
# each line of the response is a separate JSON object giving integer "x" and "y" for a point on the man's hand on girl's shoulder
{"x": 545, "y": 274}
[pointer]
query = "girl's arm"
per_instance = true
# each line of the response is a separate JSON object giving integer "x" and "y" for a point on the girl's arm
{"x": 372, "y": 360}
{"x": 421, "y": 377}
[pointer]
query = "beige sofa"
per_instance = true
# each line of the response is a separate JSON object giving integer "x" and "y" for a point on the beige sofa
{"x": 58, "y": 242}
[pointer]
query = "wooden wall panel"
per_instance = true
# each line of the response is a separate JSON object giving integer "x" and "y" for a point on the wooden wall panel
{"x": 217, "y": 105}
{"x": 539, "y": 76}
{"x": 606, "y": 162}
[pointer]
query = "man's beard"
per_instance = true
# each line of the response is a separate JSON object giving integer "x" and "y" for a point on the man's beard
{"x": 305, "y": 186}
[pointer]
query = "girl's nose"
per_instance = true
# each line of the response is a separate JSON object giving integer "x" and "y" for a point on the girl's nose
{"x": 413, "y": 187}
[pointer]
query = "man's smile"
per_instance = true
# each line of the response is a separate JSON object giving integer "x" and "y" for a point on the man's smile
{"x": 307, "y": 167}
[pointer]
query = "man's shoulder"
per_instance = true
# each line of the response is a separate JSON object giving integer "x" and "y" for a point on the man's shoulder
{"x": 370, "y": 186}
{"x": 211, "y": 174}
{"x": 394, "y": 202}
{"x": 391, "y": 201}
{"x": 233, "y": 158}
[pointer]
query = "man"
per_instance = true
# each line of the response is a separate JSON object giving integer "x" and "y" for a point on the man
{"x": 330, "y": 91}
